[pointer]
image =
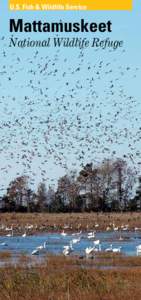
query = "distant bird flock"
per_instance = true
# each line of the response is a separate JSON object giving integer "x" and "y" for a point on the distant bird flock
{"x": 58, "y": 115}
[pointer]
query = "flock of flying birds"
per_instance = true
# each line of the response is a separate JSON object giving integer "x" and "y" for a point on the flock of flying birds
{"x": 62, "y": 108}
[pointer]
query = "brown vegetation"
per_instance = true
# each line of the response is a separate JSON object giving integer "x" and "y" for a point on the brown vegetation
{"x": 74, "y": 221}
{"x": 59, "y": 278}
{"x": 4, "y": 255}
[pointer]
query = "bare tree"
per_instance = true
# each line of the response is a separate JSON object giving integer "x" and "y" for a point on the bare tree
{"x": 42, "y": 196}
{"x": 17, "y": 192}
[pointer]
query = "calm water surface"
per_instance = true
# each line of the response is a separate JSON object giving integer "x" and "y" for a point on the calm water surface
{"x": 55, "y": 242}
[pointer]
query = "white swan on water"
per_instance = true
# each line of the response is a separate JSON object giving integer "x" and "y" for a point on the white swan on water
{"x": 4, "y": 244}
{"x": 117, "y": 250}
{"x": 10, "y": 234}
{"x": 91, "y": 235}
{"x": 114, "y": 250}
{"x": 63, "y": 233}
{"x": 89, "y": 250}
{"x": 138, "y": 250}
{"x": 75, "y": 241}
{"x": 24, "y": 234}
{"x": 68, "y": 249}
{"x": 39, "y": 249}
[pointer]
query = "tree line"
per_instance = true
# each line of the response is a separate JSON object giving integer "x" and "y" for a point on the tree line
{"x": 109, "y": 186}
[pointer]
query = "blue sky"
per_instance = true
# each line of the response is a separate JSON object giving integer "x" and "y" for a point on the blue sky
{"x": 53, "y": 121}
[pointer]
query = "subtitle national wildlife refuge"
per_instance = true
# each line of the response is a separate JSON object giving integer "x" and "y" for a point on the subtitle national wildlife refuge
{"x": 81, "y": 43}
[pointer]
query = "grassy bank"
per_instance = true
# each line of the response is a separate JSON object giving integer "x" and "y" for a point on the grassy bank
{"x": 81, "y": 221}
{"x": 65, "y": 279}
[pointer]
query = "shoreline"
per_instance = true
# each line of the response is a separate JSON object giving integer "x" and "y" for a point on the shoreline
{"x": 69, "y": 222}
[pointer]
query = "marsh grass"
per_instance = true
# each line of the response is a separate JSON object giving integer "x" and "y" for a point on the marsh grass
{"x": 24, "y": 259}
{"x": 58, "y": 278}
{"x": 75, "y": 221}
{"x": 70, "y": 278}
{"x": 119, "y": 260}
{"x": 5, "y": 255}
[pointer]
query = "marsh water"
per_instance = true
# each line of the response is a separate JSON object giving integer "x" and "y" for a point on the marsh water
{"x": 16, "y": 245}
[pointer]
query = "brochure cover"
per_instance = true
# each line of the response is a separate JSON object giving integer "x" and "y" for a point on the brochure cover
{"x": 70, "y": 149}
